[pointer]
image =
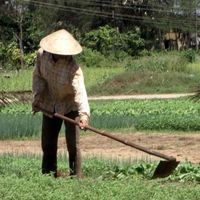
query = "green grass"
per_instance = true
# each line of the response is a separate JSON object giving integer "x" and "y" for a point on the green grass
{"x": 20, "y": 178}
{"x": 131, "y": 82}
{"x": 164, "y": 72}
{"x": 112, "y": 81}
{"x": 96, "y": 76}
{"x": 13, "y": 81}
{"x": 16, "y": 81}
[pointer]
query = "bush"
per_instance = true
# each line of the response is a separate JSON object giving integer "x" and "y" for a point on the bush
{"x": 190, "y": 55}
{"x": 133, "y": 44}
{"x": 13, "y": 53}
{"x": 119, "y": 55}
{"x": 107, "y": 40}
{"x": 10, "y": 57}
{"x": 92, "y": 58}
{"x": 29, "y": 59}
{"x": 102, "y": 39}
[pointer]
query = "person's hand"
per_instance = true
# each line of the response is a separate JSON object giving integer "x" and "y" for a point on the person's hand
{"x": 83, "y": 123}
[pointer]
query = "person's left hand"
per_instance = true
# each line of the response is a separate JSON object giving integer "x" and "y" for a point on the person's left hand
{"x": 83, "y": 123}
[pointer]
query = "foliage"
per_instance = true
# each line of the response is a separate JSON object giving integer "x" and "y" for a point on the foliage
{"x": 3, "y": 55}
{"x": 16, "y": 81}
{"x": 92, "y": 58}
{"x": 30, "y": 60}
{"x": 152, "y": 18}
{"x": 14, "y": 109}
{"x": 160, "y": 62}
{"x": 10, "y": 57}
{"x": 163, "y": 72}
{"x": 19, "y": 126}
{"x": 13, "y": 54}
{"x": 140, "y": 82}
{"x": 159, "y": 115}
{"x": 180, "y": 114}
{"x": 187, "y": 172}
{"x": 102, "y": 39}
{"x": 103, "y": 180}
{"x": 12, "y": 81}
{"x": 34, "y": 35}
{"x": 132, "y": 43}
{"x": 190, "y": 55}
{"x": 107, "y": 40}
{"x": 168, "y": 72}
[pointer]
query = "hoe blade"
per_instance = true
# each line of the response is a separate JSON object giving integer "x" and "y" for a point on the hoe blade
{"x": 165, "y": 168}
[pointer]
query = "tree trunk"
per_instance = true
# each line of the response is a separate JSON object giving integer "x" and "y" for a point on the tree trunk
{"x": 21, "y": 42}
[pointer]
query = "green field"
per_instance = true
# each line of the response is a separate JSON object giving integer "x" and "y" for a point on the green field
{"x": 20, "y": 81}
{"x": 182, "y": 114}
{"x": 20, "y": 178}
{"x": 164, "y": 72}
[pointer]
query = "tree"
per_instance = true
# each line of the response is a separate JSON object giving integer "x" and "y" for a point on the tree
{"x": 12, "y": 16}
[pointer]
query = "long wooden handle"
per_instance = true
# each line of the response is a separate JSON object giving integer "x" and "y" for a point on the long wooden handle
{"x": 126, "y": 142}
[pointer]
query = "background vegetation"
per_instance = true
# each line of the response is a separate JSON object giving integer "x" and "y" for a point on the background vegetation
{"x": 117, "y": 28}
{"x": 163, "y": 72}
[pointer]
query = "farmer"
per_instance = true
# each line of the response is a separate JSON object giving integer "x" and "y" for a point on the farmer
{"x": 58, "y": 86}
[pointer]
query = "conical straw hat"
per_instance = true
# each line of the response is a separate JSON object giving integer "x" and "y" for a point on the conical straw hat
{"x": 61, "y": 42}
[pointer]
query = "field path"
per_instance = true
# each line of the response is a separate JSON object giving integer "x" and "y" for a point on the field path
{"x": 26, "y": 96}
{"x": 141, "y": 96}
{"x": 182, "y": 146}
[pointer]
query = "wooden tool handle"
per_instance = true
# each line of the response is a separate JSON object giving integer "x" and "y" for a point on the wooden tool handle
{"x": 126, "y": 142}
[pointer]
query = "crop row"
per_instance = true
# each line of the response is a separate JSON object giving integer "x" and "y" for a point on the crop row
{"x": 173, "y": 114}
{"x": 126, "y": 107}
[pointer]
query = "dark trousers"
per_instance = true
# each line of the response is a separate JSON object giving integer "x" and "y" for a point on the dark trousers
{"x": 50, "y": 131}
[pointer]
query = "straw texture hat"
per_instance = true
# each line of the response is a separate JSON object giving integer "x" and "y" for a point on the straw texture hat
{"x": 61, "y": 42}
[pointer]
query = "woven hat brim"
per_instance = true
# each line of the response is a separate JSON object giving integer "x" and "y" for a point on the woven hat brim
{"x": 61, "y": 42}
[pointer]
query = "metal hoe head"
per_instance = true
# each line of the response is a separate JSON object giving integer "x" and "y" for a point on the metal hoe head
{"x": 165, "y": 168}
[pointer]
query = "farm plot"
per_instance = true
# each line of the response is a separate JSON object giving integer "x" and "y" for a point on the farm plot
{"x": 111, "y": 170}
{"x": 20, "y": 178}
{"x": 177, "y": 119}
{"x": 185, "y": 147}
{"x": 126, "y": 116}
{"x": 135, "y": 115}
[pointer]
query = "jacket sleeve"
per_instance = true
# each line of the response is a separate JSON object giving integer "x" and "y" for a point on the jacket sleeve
{"x": 39, "y": 84}
{"x": 81, "y": 98}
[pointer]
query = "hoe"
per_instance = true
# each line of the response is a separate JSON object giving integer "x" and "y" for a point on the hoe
{"x": 164, "y": 168}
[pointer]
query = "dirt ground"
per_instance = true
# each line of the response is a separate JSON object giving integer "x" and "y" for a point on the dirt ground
{"x": 182, "y": 146}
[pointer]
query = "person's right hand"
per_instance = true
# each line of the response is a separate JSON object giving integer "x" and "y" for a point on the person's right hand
{"x": 83, "y": 123}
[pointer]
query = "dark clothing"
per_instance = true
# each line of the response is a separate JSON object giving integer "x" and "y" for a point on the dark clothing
{"x": 50, "y": 131}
